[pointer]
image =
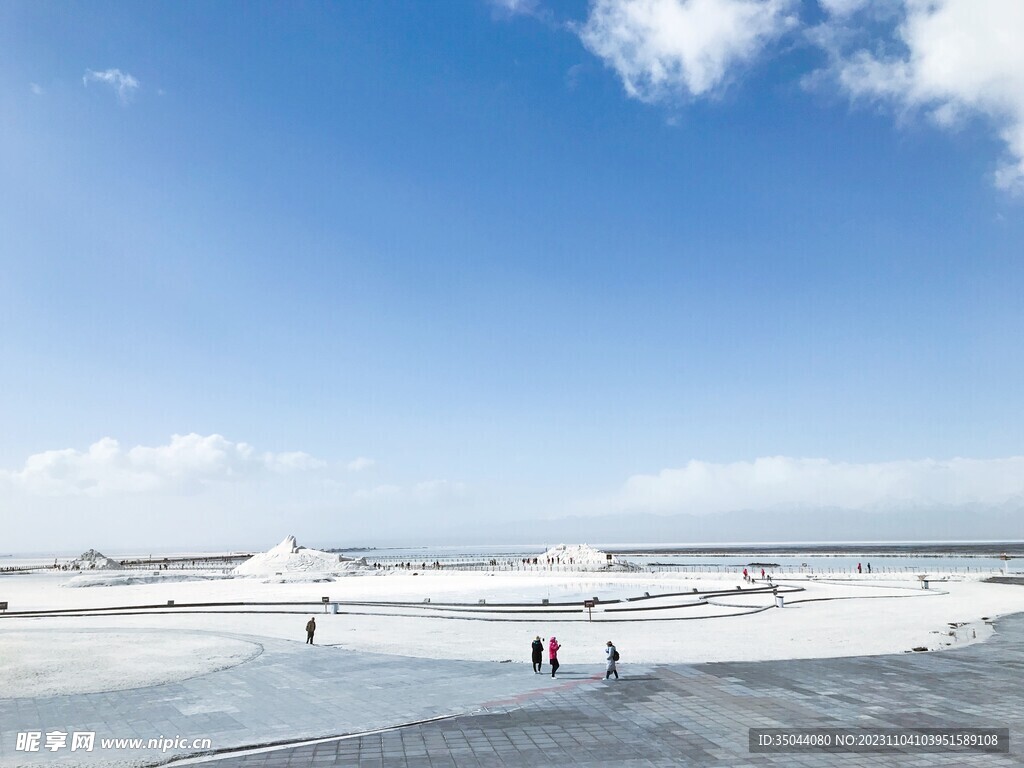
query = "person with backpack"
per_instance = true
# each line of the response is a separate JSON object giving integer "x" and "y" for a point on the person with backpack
{"x": 612, "y": 656}
{"x": 538, "y": 654}
{"x": 553, "y": 647}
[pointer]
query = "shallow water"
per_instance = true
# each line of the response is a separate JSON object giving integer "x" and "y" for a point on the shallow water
{"x": 817, "y": 558}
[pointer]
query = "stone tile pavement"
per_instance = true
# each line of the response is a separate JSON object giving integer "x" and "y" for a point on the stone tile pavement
{"x": 699, "y": 715}
{"x": 503, "y": 715}
{"x": 289, "y": 691}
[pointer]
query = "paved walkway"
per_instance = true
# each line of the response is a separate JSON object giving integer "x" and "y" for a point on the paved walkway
{"x": 654, "y": 716}
{"x": 290, "y": 691}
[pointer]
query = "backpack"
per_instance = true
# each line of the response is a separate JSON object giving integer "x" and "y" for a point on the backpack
{"x": 615, "y": 655}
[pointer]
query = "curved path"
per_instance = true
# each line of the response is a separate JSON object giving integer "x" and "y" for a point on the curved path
{"x": 290, "y": 691}
{"x": 502, "y": 715}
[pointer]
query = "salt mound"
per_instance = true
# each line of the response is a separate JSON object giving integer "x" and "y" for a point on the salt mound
{"x": 290, "y": 558}
{"x": 584, "y": 554}
{"x": 287, "y": 547}
{"x": 91, "y": 560}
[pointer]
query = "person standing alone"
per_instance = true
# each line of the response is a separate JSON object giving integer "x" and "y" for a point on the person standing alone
{"x": 310, "y": 629}
{"x": 538, "y": 654}
{"x": 611, "y": 656}
{"x": 553, "y": 647}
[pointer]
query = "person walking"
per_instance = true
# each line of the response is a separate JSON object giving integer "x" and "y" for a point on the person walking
{"x": 538, "y": 654}
{"x": 310, "y": 629}
{"x": 612, "y": 656}
{"x": 553, "y": 647}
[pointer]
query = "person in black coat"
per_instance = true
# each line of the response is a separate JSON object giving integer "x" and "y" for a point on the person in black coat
{"x": 538, "y": 653}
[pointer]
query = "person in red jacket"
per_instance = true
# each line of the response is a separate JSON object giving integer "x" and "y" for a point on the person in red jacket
{"x": 553, "y": 647}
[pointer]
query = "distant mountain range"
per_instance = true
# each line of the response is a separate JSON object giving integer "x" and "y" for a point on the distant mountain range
{"x": 966, "y": 522}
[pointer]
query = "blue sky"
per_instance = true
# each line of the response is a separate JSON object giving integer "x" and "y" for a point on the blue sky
{"x": 445, "y": 263}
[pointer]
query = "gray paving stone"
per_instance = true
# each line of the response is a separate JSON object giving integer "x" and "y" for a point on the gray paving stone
{"x": 655, "y": 716}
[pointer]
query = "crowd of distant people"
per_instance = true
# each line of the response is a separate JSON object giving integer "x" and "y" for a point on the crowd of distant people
{"x": 494, "y": 562}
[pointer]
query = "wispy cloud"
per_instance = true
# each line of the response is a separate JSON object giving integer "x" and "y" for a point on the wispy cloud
{"x": 36, "y": 89}
{"x": 516, "y": 7}
{"x": 124, "y": 84}
{"x": 186, "y": 463}
{"x": 435, "y": 490}
{"x": 385, "y": 492}
{"x": 359, "y": 464}
{"x": 667, "y": 49}
{"x": 292, "y": 461}
{"x": 572, "y": 76}
{"x": 701, "y": 487}
{"x": 842, "y": 7}
{"x": 426, "y": 493}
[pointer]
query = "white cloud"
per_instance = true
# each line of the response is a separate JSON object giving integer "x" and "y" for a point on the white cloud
{"x": 187, "y": 462}
{"x": 359, "y": 464}
{"x": 704, "y": 488}
{"x": 124, "y": 84}
{"x": 36, "y": 89}
{"x": 663, "y": 49}
{"x": 952, "y": 59}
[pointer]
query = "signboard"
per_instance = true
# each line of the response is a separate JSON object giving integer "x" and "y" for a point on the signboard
{"x": 589, "y": 604}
